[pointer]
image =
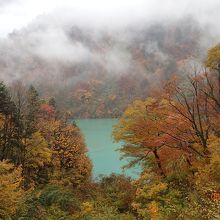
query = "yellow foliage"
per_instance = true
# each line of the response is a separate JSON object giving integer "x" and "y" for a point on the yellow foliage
{"x": 11, "y": 192}
{"x": 69, "y": 152}
{"x": 37, "y": 155}
{"x": 140, "y": 130}
{"x": 213, "y": 59}
{"x": 37, "y": 152}
{"x": 208, "y": 175}
{"x": 87, "y": 207}
{"x": 149, "y": 187}
{"x": 126, "y": 130}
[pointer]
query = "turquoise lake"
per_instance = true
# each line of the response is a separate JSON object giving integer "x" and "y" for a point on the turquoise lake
{"x": 102, "y": 150}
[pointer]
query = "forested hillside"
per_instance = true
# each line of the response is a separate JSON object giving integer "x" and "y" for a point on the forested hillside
{"x": 173, "y": 136}
{"x": 97, "y": 73}
{"x": 109, "y": 110}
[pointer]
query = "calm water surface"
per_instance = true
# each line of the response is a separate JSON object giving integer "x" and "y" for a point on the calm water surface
{"x": 102, "y": 149}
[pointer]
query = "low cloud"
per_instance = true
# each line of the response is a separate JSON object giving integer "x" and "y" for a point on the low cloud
{"x": 54, "y": 45}
{"x": 49, "y": 41}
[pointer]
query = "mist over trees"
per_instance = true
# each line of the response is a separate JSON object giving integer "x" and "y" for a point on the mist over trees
{"x": 154, "y": 66}
{"x": 172, "y": 135}
{"x": 101, "y": 68}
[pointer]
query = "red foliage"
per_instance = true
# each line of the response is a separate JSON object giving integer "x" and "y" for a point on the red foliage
{"x": 47, "y": 111}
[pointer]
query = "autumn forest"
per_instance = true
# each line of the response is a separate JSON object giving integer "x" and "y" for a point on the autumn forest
{"x": 160, "y": 80}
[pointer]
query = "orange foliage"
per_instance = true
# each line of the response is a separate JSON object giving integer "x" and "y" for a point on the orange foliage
{"x": 46, "y": 111}
{"x": 69, "y": 149}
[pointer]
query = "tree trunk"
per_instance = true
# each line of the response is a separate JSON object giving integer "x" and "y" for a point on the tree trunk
{"x": 159, "y": 163}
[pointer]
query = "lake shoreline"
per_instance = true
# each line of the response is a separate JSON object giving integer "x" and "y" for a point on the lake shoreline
{"x": 102, "y": 149}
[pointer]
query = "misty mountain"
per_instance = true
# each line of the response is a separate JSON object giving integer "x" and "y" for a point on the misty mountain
{"x": 98, "y": 72}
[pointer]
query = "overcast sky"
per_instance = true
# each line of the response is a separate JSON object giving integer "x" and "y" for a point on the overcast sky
{"x": 15, "y": 14}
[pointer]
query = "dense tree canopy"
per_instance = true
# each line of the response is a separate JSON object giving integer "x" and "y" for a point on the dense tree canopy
{"x": 174, "y": 136}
